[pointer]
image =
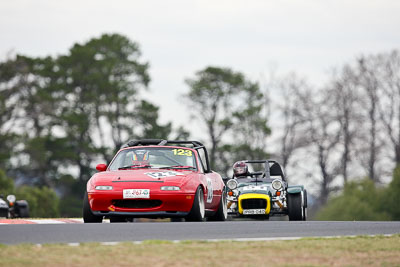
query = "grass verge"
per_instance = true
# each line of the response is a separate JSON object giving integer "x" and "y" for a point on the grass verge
{"x": 345, "y": 251}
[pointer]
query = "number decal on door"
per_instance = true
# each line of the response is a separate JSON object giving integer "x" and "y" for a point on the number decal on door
{"x": 209, "y": 190}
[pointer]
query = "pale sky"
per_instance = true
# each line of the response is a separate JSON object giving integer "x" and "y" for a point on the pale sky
{"x": 181, "y": 37}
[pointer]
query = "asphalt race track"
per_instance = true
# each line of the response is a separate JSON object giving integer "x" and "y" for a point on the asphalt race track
{"x": 139, "y": 231}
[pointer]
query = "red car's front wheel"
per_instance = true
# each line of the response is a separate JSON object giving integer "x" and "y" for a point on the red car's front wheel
{"x": 198, "y": 211}
{"x": 88, "y": 216}
{"x": 222, "y": 213}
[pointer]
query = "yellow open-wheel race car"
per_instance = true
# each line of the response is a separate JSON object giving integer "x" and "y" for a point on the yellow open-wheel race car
{"x": 258, "y": 189}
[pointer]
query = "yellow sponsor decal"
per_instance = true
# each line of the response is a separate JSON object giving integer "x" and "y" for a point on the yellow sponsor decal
{"x": 252, "y": 196}
{"x": 182, "y": 152}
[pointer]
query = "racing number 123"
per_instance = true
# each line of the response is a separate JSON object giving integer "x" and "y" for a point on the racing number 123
{"x": 182, "y": 152}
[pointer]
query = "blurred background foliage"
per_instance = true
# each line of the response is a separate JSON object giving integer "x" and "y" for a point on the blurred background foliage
{"x": 43, "y": 201}
{"x": 60, "y": 116}
{"x": 364, "y": 201}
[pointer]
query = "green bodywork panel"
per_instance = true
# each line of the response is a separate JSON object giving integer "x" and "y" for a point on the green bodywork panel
{"x": 294, "y": 189}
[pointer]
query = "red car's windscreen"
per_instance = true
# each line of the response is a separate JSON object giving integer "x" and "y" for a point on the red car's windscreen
{"x": 154, "y": 157}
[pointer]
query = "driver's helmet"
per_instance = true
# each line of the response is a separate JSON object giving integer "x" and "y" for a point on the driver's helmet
{"x": 240, "y": 169}
{"x": 140, "y": 157}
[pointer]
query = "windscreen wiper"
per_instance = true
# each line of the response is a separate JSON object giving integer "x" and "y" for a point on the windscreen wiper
{"x": 177, "y": 167}
{"x": 134, "y": 167}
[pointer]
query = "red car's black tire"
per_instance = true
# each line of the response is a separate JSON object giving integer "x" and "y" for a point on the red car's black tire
{"x": 88, "y": 216}
{"x": 197, "y": 212}
{"x": 222, "y": 213}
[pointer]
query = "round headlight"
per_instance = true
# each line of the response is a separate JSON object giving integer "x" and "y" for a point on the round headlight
{"x": 277, "y": 184}
{"x": 11, "y": 198}
{"x": 231, "y": 184}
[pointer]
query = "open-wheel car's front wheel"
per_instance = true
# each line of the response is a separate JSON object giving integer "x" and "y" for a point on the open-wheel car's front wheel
{"x": 305, "y": 205}
{"x": 88, "y": 216}
{"x": 198, "y": 211}
{"x": 295, "y": 207}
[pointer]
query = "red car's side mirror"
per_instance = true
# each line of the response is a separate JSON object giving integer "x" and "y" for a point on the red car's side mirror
{"x": 101, "y": 167}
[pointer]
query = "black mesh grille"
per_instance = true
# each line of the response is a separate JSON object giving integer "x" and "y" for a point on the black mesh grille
{"x": 254, "y": 203}
{"x": 3, "y": 212}
{"x": 137, "y": 203}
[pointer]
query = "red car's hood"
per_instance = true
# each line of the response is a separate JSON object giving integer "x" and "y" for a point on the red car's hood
{"x": 144, "y": 175}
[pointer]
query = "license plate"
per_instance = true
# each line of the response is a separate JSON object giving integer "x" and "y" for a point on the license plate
{"x": 136, "y": 193}
{"x": 254, "y": 212}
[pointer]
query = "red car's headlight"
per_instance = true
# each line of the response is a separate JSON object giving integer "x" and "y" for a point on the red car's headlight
{"x": 104, "y": 187}
{"x": 170, "y": 188}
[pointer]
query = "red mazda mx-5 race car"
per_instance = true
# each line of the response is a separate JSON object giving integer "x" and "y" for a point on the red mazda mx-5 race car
{"x": 156, "y": 179}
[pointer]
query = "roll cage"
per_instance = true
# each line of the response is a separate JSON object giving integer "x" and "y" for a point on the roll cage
{"x": 271, "y": 168}
{"x": 162, "y": 142}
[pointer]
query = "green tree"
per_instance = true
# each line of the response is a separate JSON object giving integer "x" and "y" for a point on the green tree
{"x": 147, "y": 118}
{"x": 6, "y": 184}
{"x": 181, "y": 134}
{"x": 231, "y": 107}
{"x": 392, "y": 196}
{"x": 101, "y": 80}
{"x": 360, "y": 201}
{"x": 27, "y": 113}
{"x": 43, "y": 201}
{"x": 13, "y": 75}
{"x": 71, "y": 191}
{"x": 249, "y": 131}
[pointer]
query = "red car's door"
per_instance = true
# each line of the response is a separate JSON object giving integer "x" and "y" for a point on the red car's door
{"x": 212, "y": 182}
{"x": 214, "y": 190}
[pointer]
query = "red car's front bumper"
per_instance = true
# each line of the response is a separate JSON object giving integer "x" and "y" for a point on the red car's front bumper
{"x": 160, "y": 204}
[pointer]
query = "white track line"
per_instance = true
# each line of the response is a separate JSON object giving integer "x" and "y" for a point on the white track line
{"x": 256, "y": 239}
